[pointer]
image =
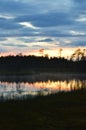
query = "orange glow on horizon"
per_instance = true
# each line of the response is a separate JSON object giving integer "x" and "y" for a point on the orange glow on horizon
{"x": 65, "y": 52}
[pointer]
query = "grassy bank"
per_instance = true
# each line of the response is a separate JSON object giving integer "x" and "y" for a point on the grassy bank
{"x": 62, "y": 111}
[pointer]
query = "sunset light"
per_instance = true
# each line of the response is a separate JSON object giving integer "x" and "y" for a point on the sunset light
{"x": 43, "y": 65}
{"x": 28, "y": 26}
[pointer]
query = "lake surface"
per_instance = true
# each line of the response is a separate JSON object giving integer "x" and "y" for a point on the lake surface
{"x": 21, "y": 87}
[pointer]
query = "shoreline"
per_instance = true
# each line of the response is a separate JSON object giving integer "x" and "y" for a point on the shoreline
{"x": 43, "y": 77}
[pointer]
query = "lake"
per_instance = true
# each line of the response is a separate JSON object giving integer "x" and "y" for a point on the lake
{"x": 21, "y": 87}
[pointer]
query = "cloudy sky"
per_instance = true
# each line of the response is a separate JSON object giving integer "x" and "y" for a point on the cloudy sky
{"x": 28, "y": 25}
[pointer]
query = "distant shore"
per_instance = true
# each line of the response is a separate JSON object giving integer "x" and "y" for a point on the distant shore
{"x": 44, "y": 76}
{"x": 27, "y": 65}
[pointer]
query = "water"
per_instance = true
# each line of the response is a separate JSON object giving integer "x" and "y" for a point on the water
{"x": 21, "y": 87}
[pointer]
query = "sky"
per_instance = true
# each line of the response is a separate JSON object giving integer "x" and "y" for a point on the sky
{"x": 26, "y": 26}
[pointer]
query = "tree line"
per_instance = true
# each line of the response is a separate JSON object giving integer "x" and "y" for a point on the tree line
{"x": 20, "y": 64}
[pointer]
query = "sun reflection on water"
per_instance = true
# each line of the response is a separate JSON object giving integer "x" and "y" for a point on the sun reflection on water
{"x": 11, "y": 90}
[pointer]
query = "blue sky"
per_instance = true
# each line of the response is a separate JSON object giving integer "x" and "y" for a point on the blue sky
{"x": 27, "y": 25}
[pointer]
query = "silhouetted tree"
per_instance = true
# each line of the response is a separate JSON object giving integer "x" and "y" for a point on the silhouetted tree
{"x": 46, "y": 55}
{"x": 77, "y": 55}
{"x": 60, "y": 52}
{"x": 83, "y": 54}
{"x": 41, "y": 51}
{"x": 19, "y": 54}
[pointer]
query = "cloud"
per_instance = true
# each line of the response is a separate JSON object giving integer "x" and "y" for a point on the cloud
{"x": 27, "y": 39}
{"x": 79, "y": 44}
{"x": 34, "y": 23}
{"x": 13, "y": 7}
{"x": 28, "y": 25}
{"x": 74, "y": 42}
{"x": 2, "y": 38}
{"x": 14, "y": 45}
{"x": 77, "y": 33}
{"x": 47, "y": 19}
{"x": 8, "y": 24}
{"x": 79, "y": 6}
{"x": 21, "y": 7}
{"x": 25, "y": 22}
{"x": 46, "y": 40}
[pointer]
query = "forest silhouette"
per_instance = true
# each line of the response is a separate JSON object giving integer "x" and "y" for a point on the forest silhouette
{"x": 20, "y": 64}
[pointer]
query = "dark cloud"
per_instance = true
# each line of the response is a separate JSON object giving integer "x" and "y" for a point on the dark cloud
{"x": 26, "y": 39}
{"x": 40, "y": 47}
{"x": 48, "y": 19}
{"x": 79, "y": 6}
{"x": 46, "y": 40}
{"x": 74, "y": 43}
{"x": 3, "y": 38}
{"x": 8, "y": 24}
{"x": 79, "y": 43}
{"x": 14, "y": 45}
{"x": 54, "y": 19}
{"x": 37, "y": 46}
{"x": 14, "y": 7}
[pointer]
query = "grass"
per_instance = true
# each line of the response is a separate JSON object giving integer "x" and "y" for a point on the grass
{"x": 62, "y": 111}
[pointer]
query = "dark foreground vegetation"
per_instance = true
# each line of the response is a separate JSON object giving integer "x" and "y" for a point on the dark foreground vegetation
{"x": 30, "y": 64}
{"x": 62, "y": 111}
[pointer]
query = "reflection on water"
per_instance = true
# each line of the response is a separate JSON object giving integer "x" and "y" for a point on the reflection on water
{"x": 19, "y": 90}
